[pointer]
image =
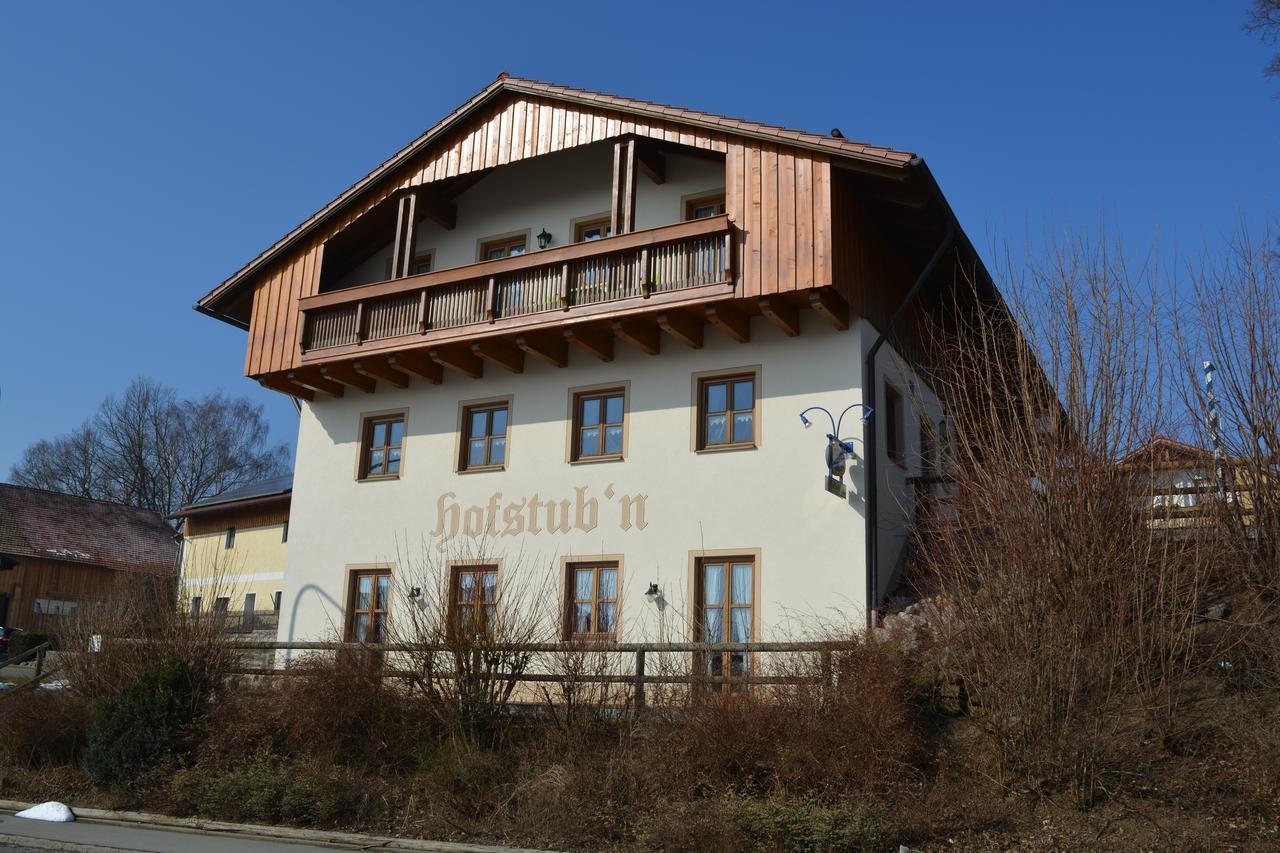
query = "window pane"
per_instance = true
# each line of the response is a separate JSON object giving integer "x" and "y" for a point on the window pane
{"x": 608, "y": 618}
{"x": 608, "y": 584}
{"x": 591, "y": 441}
{"x": 378, "y": 635}
{"x": 741, "y": 583}
{"x": 717, "y": 396}
{"x": 713, "y": 580}
{"x": 490, "y": 613}
{"x": 716, "y": 426}
{"x": 497, "y": 451}
{"x": 379, "y": 435}
{"x": 361, "y": 628}
{"x": 466, "y": 587}
{"x": 397, "y": 432}
{"x": 499, "y": 422}
{"x": 613, "y": 439}
{"x": 743, "y": 426}
{"x": 583, "y": 584}
{"x": 475, "y": 456}
{"x": 591, "y": 411}
{"x": 393, "y": 460}
{"x": 384, "y": 591}
{"x": 743, "y": 396}
{"x": 517, "y": 249}
{"x": 364, "y": 588}
{"x": 738, "y": 664}
{"x": 479, "y": 423}
{"x": 582, "y": 618}
{"x": 713, "y": 625}
{"x": 613, "y": 410}
{"x": 466, "y": 615}
{"x": 489, "y": 586}
{"x": 375, "y": 462}
{"x": 741, "y": 625}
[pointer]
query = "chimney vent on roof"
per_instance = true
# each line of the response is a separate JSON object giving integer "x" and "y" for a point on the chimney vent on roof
{"x": 836, "y": 134}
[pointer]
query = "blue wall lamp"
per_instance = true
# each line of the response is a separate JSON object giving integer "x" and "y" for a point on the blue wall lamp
{"x": 839, "y": 450}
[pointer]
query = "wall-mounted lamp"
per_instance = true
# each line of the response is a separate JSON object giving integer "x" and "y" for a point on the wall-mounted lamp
{"x": 653, "y": 592}
{"x": 415, "y": 592}
{"x": 838, "y": 450}
{"x": 544, "y": 239}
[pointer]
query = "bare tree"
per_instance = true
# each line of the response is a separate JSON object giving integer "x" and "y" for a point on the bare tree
{"x": 149, "y": 448}
{"x": 1264, "y": 21}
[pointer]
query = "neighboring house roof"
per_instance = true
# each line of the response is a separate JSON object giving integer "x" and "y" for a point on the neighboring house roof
{"x": 263, "y": 491}
{"x": 838, "y": 146}
{"x": 54, "y": 526}
{"x": 1167, "y": 449}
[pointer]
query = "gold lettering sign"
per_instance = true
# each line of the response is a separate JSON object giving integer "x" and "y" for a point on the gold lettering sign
{"x": 533, "y": 515}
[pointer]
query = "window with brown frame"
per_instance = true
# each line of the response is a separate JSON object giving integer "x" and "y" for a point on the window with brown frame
{"x": 591, "y": 601}
{"x": 367, "y": 608}
{"x": 894, "y": 440}
{"x": 503, "y": 247}
{"x": 382, "y": 447}
{"x": 484, "y": 436}
{"x": 473, "y": 602}
{"x": 598, "y": 424}
{"x": 704, "y": 207}
{"x": 592, "y": 229}
{"x": 230, "y": 540}
{"x": 726, "y": 614}
{"x": 727, "y": 411}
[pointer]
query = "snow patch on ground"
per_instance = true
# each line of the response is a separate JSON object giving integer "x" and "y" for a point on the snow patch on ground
{"x": 52, "y": 812}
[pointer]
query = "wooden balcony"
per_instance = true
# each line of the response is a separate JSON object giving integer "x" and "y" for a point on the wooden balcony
{"x": 689, "y": 261}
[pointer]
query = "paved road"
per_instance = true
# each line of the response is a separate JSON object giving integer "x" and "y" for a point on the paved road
{"x": 18, "y": 834}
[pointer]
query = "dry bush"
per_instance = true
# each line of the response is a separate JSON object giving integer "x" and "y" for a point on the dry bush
{"x": 41, "y": 728}
{"x": 1070, "y": 611}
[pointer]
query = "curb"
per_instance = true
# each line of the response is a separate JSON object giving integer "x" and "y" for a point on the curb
{"x": 248, "y": 830}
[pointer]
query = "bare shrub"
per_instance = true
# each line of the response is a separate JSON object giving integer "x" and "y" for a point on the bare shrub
{"x": 1070, "y": 611}
{"x": 41, "y": 728}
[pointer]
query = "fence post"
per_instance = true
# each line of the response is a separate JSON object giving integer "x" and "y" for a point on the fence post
{"x": 39, "y": 663}
{"x": 640, "y": 698}
{"x": 828, "y": 674}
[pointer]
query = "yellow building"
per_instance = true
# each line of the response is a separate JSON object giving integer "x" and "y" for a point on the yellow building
{"x": 233, "y": 554}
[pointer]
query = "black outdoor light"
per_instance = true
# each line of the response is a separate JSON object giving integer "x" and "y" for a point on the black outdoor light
{"x": 544, "y": 239}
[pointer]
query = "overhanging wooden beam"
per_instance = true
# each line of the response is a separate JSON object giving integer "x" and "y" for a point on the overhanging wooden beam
{"x": 597, "y": 342}
{"x": 376, "y": 368}
{"x": 651, "y": 161}
{"x": 640, "y": 331}
{"x": 729, "y": 319}
{"x": 831, "y": 305}
{"x": 501, "y": 353}
{"x": 464, "y": 361}
{"x": 347, "y": 375}
{"x": 434, "y": 206}
{"x": 782, "y": 313}
{"x": 686, "y": 328}
{"x": 419, "y": 365}
{"x": 284, "y": 386}
{"x": 313, "y": 380}
{"x": 550, "y": 349}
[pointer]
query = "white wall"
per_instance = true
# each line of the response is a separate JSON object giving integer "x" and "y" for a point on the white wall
{"x": 549, "y": 192}
{"x": 771, "y": 498}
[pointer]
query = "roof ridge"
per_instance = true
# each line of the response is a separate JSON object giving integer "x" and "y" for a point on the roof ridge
{"x": 119, "y": 504}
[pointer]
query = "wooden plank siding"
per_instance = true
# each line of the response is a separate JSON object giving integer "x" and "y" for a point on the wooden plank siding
{"x": 778, "y": 197}
{"x": 60, "y": 580}
{"x": 242, "y": 518}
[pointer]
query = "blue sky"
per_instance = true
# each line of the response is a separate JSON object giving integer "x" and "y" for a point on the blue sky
{"x": 149, "y": 150}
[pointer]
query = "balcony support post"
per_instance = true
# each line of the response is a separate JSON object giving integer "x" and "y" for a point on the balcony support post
{"x": 406, "y": 235}
{"x": 623, "y": 213}
{"x": 491, "y": 301}
{"x": 564, "y": 287}
{"x": 646, "y": 273}
{"x": 422, "y": 312}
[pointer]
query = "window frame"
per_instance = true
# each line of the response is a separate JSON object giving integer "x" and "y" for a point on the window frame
{"x": 354, "y": 574}
{"x": 594, "y": 221}
{"x": 700, "y": 383}
{"x": 690, "y": 202}
{"x": 603, "y": 391}
{"x": 570, "y": 566}
{"x": 895, "y": 415}
{"x": 368, "y": 420}
{"x": 698, "y": 560}
{"x": 480, "y": 568}
{"x": 505, "y": 241}
{"x": 466, "y": 409}
{"x": 229, "y": 538}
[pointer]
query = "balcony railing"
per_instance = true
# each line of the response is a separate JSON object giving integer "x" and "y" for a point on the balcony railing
{"x": 639, "y": 265}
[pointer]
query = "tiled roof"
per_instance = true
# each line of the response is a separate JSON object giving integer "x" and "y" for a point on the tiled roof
{"x": 54, "y": 526}
{"x": 838, "y": 146}
{"x": 275, "y": 486}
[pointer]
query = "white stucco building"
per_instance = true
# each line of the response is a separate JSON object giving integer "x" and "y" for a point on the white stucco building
{"x": 565, "y": 339}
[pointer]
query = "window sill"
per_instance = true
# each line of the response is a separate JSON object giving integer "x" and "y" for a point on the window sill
{"x": 595, "y": 460}
{"x": 727, "y": 448}
{"x": 481, "y": 469}
{"x": 383, "y": 479}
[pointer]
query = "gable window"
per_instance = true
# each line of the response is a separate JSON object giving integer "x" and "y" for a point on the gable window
{"x": 485, "y": 436}
{"x": 727, "y": 411}
{"x": 504, "y": 247}
{"x": 381, "y": 447}
{"x": 592, "y": 605}
{"x": 473, "y": 604}
{"x": 598, "y": 424}
{"x": 367, "y": 610}
{"x": 704, "y": 207}
{"x": 726, "y": 613}
{"x": 592, "y": 229}
{"x": 231, "y": 538}
{"x": 894, "y": 440}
